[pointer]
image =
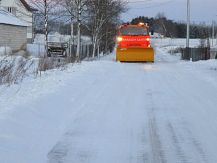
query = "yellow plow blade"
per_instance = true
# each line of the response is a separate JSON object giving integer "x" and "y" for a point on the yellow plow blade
{"x": 135, "y": 54}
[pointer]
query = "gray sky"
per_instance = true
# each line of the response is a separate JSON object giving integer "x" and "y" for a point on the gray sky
{"x": 201, "y": 10}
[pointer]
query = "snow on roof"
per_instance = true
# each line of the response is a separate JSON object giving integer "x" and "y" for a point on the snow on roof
{"x": 8, "y": 18}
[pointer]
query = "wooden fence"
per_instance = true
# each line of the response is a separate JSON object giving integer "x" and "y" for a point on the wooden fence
{"x": 196, "y": 54}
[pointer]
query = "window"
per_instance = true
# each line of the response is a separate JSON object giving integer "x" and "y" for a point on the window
{"x": 133, "y": 31}
{"x": 10, "y": 9}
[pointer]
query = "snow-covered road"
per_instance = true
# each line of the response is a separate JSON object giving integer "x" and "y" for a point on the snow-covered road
{"x": 108, "y": 112}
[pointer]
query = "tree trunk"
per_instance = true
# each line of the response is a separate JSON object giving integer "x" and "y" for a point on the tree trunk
{"x": 94, "y": 47}
{"x": 46, "y": 27}
{"x": 79, "y": 32}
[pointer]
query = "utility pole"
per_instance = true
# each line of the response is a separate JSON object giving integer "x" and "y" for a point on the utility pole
{"x": 188, "y": 24}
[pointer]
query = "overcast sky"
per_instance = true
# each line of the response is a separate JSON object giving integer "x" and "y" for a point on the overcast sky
{"x": 201, "y": 10}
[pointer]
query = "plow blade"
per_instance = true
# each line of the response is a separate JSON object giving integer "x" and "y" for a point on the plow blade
{"x": 135, "y": 54}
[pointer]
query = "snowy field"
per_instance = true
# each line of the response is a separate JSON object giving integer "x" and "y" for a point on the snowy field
{"x": 109, "y": 112}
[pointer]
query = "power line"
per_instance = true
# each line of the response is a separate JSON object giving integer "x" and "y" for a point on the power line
{"x": 151, "y": 5}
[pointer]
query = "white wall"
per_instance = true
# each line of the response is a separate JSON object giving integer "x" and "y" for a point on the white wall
{"x": 8, "y": 3}
{"x": 13, "y": 36}
{"x": 21, "y": 12}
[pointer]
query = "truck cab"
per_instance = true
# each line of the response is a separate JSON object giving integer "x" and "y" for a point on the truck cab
{"x": 133, "y": 43}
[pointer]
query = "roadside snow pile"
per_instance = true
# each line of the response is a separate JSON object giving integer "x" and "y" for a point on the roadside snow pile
{"x": 172, "y": 43}
{"x": 206, "y": 70}
{"x": 14, "y": 68}
{"x": 156, "y": 35}
{"x": 203, "y": 67}
{"x": 25, "y": 129}
{"x": 5, "y": 51}
{"x": 31, "y": 87}
{"x": 36, "y": 50}
{"x": 57, "y": 37}
{"x": 174, "y": 46}
{"x": 208, "y": 64}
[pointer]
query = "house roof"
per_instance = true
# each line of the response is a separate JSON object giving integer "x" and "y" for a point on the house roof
{"x": 10, "y": 19}
{"x": 27, "y": 6}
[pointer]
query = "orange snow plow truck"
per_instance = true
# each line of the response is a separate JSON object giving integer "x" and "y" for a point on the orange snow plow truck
{"x": 133, "y": 44}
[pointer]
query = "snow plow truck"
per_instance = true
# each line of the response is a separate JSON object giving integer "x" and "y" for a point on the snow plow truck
{"x": 133, "y": 44}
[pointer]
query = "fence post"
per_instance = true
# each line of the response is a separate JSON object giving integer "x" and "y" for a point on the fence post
{"x": 88, "y": 51}
{"x": 98, "y": 53}
{"x": 39, "y": 54}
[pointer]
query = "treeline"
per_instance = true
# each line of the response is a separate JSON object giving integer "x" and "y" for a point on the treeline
{"x": 170, "y": 28}
{"x": 96, "y": 18}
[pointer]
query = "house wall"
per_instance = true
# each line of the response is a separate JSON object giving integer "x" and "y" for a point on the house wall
{"x": 13, "y": 36}
{"x": 7, "y": 2}
{"x": 22, "y": 13}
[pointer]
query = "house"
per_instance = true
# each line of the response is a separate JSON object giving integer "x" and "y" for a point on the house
{"x": 13, "y": 31}
{"x": 22, "y": 10}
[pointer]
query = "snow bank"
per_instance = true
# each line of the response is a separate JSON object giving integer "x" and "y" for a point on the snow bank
{"x": 176, "y": 42}
{"x": 56, "y": 37}
{"x": 156, "y": 35}
{"x": 36, "y": 50}
{"x": 36, "y": 112}
{"x": 27, "y": 133}
{"x": 173, "y": 45}
{"x": 207, "y": 64}
{"x": 13, "y": 69}
{"x": 5, "y": 51}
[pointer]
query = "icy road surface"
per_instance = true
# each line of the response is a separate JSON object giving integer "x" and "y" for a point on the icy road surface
{"x": 108, "y": 112}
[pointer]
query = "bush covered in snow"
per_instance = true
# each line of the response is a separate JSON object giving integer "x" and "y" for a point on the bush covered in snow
{"x": 14, "y": 69}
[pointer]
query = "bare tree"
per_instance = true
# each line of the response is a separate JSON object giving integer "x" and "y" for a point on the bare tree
{"x": 76, "y": 10}
{"x": 45, "y": 9}
{"x": 101, "y": 13}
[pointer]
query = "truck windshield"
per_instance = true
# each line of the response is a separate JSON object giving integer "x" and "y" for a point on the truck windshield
{"x": 130, "y": 31}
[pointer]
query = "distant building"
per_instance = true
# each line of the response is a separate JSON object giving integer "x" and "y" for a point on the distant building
{"x": 13, "y": 31}
{"x": 22, "y": 10}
